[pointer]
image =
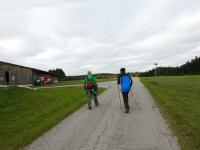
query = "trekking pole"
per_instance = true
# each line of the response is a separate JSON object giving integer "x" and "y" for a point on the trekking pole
{"x": 137, "y": 105}
{"x": 132, "y": 101}
{"x": 131, "y": 93}
{"x": 119, "y": 98}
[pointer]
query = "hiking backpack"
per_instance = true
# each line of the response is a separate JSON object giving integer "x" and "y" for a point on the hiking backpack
{"x": 89, "y": 83}
{"x": 125, "y": 83}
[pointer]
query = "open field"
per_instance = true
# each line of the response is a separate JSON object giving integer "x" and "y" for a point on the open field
{"x": 74, "y": 82}
{"x": 179, "y": 101}
{"x": 26, "y": 114}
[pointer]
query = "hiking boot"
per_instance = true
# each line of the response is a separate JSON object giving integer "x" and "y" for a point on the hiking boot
{"x": 127, "y": 111}
{"x": 97, "y": 104}
{"x": 90, "y": 107}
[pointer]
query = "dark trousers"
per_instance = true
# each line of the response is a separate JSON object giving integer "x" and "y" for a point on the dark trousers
{"x": 125, "y": 97}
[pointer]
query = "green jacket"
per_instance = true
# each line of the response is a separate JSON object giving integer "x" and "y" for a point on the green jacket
{"x": 93, "y": 79}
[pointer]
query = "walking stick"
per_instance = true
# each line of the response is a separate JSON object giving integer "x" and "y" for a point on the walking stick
{"x": 119, "y": 98}
{"x": 131, "y": 93}
{"x": 137, "y": 105}
{"x": 132, "y": 101}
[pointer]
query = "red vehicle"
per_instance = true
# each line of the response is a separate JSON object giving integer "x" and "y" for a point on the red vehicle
{"x": 47, "y": 79}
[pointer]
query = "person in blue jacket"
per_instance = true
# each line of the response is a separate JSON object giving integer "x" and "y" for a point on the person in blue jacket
{"x": 126, "y": 82}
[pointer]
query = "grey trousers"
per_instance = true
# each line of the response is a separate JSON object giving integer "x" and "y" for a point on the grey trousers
{"x": 90, "y": 96}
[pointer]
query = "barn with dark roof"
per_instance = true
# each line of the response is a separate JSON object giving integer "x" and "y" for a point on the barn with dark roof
{"x": 12, "y": 74}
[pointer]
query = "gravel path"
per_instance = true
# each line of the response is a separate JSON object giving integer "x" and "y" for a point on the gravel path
{"x": 108, "y": 128}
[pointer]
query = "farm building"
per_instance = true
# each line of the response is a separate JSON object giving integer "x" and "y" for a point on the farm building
{"x": 12, "y": 74}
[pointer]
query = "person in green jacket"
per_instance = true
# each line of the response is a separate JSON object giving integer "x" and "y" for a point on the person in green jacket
{"x": 91, "y": 89}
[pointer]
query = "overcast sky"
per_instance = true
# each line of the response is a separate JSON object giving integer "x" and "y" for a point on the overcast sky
{"x": 100, "y": 35}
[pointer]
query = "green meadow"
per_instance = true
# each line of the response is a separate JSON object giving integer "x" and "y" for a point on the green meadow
{"x": 178, "y": 99}
{"x": 26, "y": 114}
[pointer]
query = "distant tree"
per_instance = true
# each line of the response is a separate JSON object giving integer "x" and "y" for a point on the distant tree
{"x": 189, "y": 68}
{"x": 59, "y": 72}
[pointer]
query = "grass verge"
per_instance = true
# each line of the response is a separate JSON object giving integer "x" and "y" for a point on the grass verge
{"x": 26, "y": 114}
{"x": 178, "y": 99}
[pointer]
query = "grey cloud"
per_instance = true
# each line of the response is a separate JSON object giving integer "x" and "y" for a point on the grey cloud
{"x": 102, "y": 35}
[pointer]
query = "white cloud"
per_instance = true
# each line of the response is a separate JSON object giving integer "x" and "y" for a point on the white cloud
{"x": 99, "y": 35}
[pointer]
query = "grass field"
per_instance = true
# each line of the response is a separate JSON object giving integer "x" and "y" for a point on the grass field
{"x": 26, "y": 114}
{"x": 179, "y": 101}
{"x": 74, "y": 82}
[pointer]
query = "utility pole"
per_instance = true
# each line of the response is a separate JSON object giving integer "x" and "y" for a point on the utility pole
{"x": 155, "y": 64}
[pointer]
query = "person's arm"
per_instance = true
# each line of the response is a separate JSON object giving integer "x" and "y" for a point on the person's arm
{"x": 118, "y": 79}
{"x": 85, "y": 82}
{"x": 94, "y": 80}
{"x": 131, "y": 80}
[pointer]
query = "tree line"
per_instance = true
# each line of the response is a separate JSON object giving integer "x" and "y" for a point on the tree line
{"x": 98, "y": 76}
{"x": 59, "y": 73}
{"x": 189, "y": 68}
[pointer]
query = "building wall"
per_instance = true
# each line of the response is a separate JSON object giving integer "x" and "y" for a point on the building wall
{"x": 17, "y": 75}
{"x": 36, "y": 76}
